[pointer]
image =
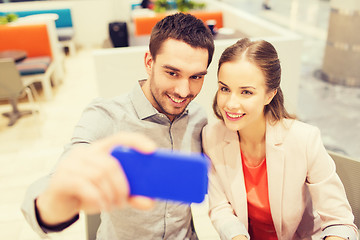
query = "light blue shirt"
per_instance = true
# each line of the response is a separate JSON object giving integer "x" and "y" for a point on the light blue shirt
{"x": 134, "y": 113}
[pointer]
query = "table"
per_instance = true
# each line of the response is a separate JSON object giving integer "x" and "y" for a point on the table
{"x": 15, "y": 114}
{"x": 228, "y": 33}
{"x": 17, "y": 55}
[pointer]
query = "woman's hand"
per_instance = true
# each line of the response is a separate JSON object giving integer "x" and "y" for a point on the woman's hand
{"x": 334, "y": 238}
{"x": 240, "y": 237}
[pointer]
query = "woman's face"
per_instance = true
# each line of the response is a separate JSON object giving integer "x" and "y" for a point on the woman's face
{"x": 242, "y": 94}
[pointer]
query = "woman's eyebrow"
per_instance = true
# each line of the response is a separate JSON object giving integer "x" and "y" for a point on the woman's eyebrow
{"x": 242, "y": 87}
{"x": 223, "y": 83}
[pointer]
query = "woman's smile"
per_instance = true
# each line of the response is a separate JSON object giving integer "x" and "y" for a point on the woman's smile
{"x": 234, "y": 116}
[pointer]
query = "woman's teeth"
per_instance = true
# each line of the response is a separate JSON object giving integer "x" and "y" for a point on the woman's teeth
{"x": 235, "y": 115}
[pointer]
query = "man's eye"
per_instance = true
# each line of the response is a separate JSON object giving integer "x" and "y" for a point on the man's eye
{"x": 196, "y": 77}
{"x": 173, "y": 74}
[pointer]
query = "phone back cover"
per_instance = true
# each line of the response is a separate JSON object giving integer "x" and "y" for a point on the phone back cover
{"x": 165, "y": 174}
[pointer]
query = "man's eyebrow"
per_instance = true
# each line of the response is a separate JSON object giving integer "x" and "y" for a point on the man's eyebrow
{"x": 201, "y": 73}
{"x": 178, "y": 70}
{"x": 171, "y": 68}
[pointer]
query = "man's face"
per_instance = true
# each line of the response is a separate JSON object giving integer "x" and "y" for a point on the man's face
{"x": 176, "y": 77}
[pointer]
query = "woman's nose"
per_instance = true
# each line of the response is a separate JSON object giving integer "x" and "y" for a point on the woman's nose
{"x": 233, "y": 102}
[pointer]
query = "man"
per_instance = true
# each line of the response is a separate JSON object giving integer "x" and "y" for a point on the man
{"x": 157, "y": 113}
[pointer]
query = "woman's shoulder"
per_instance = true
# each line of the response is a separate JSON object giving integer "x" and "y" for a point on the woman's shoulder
{"x": 294, "y": 125}
{"x": 214, "y": 132}
{"x": 216, "y": 127}
{"x": 294, "y": 129}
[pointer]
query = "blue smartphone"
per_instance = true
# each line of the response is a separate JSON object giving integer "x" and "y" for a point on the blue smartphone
{"x": 165, "y": 174}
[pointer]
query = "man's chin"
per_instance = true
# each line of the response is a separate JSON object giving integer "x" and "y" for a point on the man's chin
{"x": 175, "y": 112}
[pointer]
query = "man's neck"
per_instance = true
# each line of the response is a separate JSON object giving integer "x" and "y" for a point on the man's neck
{"x": 145, "y": 86}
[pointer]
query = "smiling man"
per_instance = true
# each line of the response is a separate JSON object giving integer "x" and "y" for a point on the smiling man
{"x": 175, "y": 77}
{"x": 159, "y": 112}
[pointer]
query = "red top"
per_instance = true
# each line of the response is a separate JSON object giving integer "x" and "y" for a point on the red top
{"x": 261, "y": 226}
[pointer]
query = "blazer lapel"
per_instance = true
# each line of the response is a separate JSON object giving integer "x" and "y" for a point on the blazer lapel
{"x": 275, "y": 160}
{"x": 232, "y": 158}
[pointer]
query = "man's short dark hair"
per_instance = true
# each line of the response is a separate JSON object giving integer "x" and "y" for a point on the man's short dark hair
{"x": 183, "y": 27}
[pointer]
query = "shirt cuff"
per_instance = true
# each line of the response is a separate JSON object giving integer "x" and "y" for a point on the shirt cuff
{"x": 233, "y": 229}
{"x": 343, "y": 231}
{"x": 56, "y": 228}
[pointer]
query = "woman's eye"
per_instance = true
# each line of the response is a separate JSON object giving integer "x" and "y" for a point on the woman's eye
{"x": 224, "y": 89}
{"x": 246, "y": 92}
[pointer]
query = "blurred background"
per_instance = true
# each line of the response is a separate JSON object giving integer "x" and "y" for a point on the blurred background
{"x": 56, "y": 56}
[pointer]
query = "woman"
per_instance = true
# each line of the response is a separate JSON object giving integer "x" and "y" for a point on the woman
{"x": 271, "y": 176}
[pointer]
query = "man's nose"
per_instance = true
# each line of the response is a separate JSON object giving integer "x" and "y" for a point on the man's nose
{"x": 182, "y": 88}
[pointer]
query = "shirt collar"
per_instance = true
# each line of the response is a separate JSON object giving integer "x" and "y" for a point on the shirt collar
{"x": 142, "y": 106}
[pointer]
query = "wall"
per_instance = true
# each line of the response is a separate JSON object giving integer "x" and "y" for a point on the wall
{"x": 342, "y": 50}
{"x": 90, "y": 17}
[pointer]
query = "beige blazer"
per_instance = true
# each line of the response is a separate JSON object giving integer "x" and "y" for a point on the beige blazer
{"x": 301, "y": 177}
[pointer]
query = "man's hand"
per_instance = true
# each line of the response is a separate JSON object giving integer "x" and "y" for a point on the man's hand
{"x": 90, "y": 179}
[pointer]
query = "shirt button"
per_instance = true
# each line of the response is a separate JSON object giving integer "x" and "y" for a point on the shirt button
{"x": 168, "y": 215}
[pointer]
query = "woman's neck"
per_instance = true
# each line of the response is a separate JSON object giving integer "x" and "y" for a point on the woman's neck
{"x": 252, "y": 141}
{"x": 254, "y": 133}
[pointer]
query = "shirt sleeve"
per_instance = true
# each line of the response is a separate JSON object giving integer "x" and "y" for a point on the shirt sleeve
{"x": 28, "y": 204}
{"x": 56, "y": 228}
{"x": 327, "y": 191}
{"x": 343, "y": 231}
{"x": 220, "y": 211}
{"x": 92, "y": 116}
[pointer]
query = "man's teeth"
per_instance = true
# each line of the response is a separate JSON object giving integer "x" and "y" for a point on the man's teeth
{"x": 177, "y": 100}
{"x": 235, "y": 115}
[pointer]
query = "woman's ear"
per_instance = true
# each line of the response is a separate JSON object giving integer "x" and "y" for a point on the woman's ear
{"x": 269, "y": 96}
{"x": 148, "y": 60}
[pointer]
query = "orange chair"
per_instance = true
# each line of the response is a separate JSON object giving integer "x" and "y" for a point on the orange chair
{"x": 144, "y": 25}
{"x": 34, "y": 39}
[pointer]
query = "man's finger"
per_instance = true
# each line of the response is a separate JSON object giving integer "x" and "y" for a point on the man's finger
{"x": 135, "y": 140}
{"x": 142, "y": 203}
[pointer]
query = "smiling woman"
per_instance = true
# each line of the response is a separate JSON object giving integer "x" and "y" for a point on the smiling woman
{"x": 241, "y": 92}
{"x": 259, "y": 152}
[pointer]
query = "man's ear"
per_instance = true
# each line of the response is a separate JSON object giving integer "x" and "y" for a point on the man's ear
{"x": 270, "y": 96}
{"x": 148, "y": 60}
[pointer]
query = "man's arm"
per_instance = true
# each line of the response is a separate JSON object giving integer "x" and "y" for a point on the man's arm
{"x": 89, "y": 179}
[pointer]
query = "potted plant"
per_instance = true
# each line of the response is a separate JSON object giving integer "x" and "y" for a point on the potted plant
{"x": 186, "y": 5}
{"x": 161, "y": 6}
{"x": 181, "y": 5}
{"x": 10, "y": 17}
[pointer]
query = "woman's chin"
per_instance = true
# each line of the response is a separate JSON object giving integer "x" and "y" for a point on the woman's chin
{"x": 232, "y": 126}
